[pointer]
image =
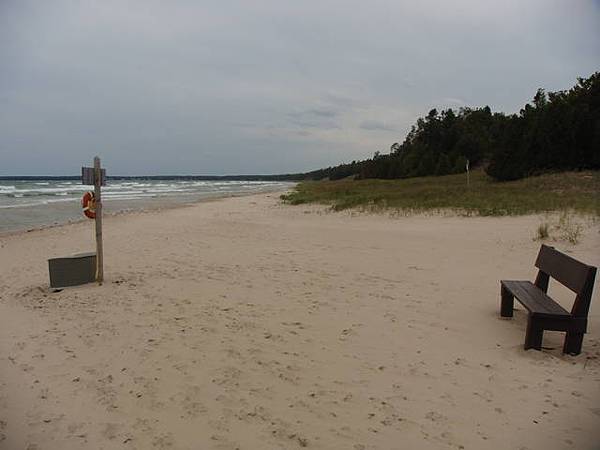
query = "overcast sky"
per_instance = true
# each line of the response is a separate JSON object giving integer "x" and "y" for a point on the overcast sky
{"x": 258, "y": 87}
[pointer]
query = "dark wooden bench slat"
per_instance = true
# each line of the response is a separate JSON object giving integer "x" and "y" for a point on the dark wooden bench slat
{"x": 535, "y": 300}
{"x": 564, "y": 269}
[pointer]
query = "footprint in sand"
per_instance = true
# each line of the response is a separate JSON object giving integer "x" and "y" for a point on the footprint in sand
{"x": 435, "y": 416}
{"x": 163, "y": 441}
{"x": 2, "y": 428}
{"x": 110, "y": 430}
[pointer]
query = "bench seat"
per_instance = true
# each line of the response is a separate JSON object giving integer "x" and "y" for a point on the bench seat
{"x": 535, "y": 300}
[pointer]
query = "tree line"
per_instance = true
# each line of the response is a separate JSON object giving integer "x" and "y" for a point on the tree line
{"x": 557, "y": 131}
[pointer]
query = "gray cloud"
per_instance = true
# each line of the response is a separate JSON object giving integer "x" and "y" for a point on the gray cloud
{"x": 268, "y": 86}
{"x": 375, "y": 125}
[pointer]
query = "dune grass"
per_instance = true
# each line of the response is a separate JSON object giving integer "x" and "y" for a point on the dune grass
{"x": 577, "y": 191}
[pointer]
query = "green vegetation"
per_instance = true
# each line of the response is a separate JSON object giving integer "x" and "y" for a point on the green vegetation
{"x": 565, "y": 227}
{"x": 570, "y": 230}
{"x": 543, "y": 232}
{"x": 556, "y": 131}
{"x": 577, "y": 191}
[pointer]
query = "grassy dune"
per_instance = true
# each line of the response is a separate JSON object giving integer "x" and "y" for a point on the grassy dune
{"x": 578, "y": 191}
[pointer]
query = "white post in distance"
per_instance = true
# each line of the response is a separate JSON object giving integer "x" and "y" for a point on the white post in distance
{"x": 467, "y": 167}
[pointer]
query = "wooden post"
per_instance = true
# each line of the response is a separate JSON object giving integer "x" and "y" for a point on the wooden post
{"x": 98, "y": 198}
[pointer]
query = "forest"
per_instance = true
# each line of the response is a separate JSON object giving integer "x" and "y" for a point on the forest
{"x": 556, "y": 131}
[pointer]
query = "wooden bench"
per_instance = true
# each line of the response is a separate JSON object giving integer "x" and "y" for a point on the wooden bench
{"x": 545, "y": 313}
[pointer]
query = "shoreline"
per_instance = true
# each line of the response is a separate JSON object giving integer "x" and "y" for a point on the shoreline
{"x": 245, "y": 323}
{"x": 159, "y": 207}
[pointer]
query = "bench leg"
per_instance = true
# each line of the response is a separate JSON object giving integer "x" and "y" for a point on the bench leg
{"x": 573, "y": 343}
{"x": 534, "y": 334}
{"x": 507, "y": 302}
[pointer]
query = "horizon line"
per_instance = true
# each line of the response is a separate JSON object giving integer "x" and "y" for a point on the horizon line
{"x": 14, "y": 177}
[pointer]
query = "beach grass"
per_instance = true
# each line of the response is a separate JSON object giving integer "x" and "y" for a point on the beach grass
{"x": 576, "y": 191}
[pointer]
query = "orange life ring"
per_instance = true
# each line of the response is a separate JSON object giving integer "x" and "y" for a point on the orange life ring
{"x": 88, "y": 203}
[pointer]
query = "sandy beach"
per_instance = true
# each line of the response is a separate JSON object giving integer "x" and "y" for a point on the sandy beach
{"x": 244, "y": 324}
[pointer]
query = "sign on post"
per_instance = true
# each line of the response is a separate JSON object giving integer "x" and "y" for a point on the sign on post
{"x": 96, "y": 176}
{"x": 88, "y": 176}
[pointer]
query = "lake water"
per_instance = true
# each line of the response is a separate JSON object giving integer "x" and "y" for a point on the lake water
{"x": 28, "y": 203}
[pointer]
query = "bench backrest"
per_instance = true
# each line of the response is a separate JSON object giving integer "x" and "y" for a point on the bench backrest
{"x": 573, "y": 274}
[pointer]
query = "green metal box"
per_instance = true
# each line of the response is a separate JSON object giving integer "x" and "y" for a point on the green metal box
{"x": 72, "y": 270}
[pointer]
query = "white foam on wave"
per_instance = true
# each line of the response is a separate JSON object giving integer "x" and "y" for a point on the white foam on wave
{"x": 38, "y": 203}
{"x": 24, "y": 193}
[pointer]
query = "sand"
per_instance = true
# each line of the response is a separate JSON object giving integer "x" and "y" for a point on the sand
{"x": 247, "y": 324}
